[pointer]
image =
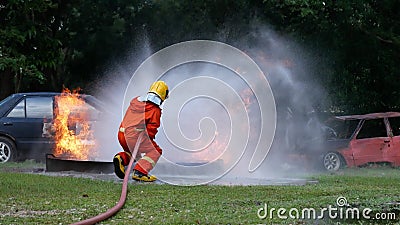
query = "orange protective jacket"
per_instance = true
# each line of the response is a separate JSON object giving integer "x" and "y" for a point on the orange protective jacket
{"x": 142, "y": 115}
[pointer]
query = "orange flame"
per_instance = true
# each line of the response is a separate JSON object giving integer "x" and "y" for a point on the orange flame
{"x": 211, "y": 152}
{"x": 74, "y": 138}
{"x": 247, "y": 97}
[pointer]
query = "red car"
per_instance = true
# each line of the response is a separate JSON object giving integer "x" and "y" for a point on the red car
{"x": 363, "y": 139}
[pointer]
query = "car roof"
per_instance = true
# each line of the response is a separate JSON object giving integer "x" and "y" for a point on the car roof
{"x": 369, "y": 116}
{"x": 14, "y": 98}
{"x": 44, "y": 94}
{"x": 36, "y": 93}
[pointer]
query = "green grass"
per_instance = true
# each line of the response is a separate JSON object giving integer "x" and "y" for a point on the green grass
{"x": 39, "y": 199}
{"x": 28, "y": 164}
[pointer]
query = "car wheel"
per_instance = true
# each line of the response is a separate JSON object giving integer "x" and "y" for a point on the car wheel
{"x": 8, "y": 151}
{"x": 332, "y": 161}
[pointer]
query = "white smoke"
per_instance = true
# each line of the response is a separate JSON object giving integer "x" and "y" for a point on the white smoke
{"x": 285, "y": 69}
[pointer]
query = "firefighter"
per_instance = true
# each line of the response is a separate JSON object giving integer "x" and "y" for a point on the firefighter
{"x": 142, "y": 115}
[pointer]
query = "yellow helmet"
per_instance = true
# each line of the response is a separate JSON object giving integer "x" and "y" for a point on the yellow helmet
{"x": 159, "y": 88}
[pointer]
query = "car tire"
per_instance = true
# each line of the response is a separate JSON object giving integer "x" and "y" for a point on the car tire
{"x": 8, "y": 151}
{"x": 332, "y": 161}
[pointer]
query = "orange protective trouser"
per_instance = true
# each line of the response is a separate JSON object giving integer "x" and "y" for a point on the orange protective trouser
{"x": 152, "y": 152}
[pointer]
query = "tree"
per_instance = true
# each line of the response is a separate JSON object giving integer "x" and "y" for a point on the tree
{"x": 45, "y": 44}
{"x": 28, "y": 48}
{"x": 358, "y": 45}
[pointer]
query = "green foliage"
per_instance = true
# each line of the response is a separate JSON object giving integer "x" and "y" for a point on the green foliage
{"x": 358, "y": 39}
{"x": 55, "y": 43}
{"x": 28, "y": 48}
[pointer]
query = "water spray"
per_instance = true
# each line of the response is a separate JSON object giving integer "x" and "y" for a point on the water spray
{"x": 224, "y": 91}
{"x": 124, "y": 191}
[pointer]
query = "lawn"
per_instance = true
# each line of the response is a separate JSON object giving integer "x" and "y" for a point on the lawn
{"x": 35, "y": 198}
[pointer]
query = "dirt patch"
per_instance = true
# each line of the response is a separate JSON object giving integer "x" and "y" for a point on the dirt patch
{"x": 181, "y": 180}
{"x": 22, "y": 170}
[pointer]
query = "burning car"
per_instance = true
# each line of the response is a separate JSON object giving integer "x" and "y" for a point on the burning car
{"x": 363, "y": 139}
{"x": 35, "y": 124}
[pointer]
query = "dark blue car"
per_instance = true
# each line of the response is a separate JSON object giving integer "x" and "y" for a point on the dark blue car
{"x": 23, "y": 121}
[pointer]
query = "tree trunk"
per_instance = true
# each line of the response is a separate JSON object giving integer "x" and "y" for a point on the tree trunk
{"x": 6, "y": 83}
{"x": 18, "y": 82}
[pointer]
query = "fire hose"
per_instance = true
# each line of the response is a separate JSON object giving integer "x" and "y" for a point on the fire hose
{"x": 122, "y": 199}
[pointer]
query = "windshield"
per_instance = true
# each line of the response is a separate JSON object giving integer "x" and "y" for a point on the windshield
{"x": 344, "y": 129}
{"x": 99, "y": 105}
{"x": 6, "y": 100}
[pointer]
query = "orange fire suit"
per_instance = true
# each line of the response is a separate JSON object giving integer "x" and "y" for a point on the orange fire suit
{"x": 140, "y": 117}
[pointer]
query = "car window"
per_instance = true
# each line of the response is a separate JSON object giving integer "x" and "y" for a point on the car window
{"x": 395, "y": 125}
{"x": 343, "y": 129}
{"x": 372, "y": 128}
{"x": 94, "y": 114}
{"x": 39, "y": 107}
{"x": 85, "y": 110}
{"x": 18, "y": 111}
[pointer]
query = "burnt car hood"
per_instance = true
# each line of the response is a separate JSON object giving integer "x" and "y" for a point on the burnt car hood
{"x": 336, "y": 144}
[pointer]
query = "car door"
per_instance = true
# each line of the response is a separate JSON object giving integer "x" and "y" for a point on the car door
{"x": 393, "y": 154}
{"x": 370, "y": 142}
{"x": 25, "y": 123}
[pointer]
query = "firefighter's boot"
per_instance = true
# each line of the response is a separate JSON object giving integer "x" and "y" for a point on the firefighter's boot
{"x": 120, "y": 161}
{"x": 139, "y": 176}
